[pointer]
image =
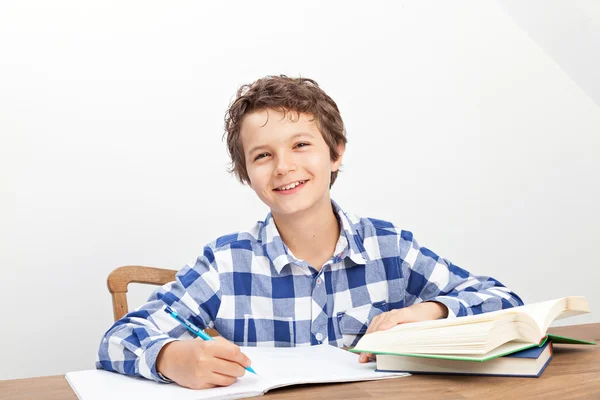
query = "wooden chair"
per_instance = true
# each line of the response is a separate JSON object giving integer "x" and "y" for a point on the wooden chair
{"x": 121, "y": 277}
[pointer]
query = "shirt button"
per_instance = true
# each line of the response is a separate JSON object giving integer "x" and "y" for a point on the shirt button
{"x": 319, "y": 281}
{"x": 319, "y": 336}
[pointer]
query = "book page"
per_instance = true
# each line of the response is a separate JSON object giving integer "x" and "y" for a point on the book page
{"x": 545, "y": 312}
{"x": 541, "y": 311}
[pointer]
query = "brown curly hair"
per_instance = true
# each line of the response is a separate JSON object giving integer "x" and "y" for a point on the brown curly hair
{"x": 287, "y": 95}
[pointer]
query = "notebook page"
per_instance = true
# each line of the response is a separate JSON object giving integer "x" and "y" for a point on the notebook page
{"x": 276, "y": 367}
{"x": 311, "y": 364}
{"x": 102, "y": 385}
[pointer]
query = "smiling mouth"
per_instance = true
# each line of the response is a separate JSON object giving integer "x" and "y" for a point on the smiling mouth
{"x": 290, "y": 186}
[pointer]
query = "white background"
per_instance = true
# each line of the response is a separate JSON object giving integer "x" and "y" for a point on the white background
{"x": 461, "y": 129}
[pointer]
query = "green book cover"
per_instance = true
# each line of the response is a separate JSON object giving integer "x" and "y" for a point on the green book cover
{"x": 567, "y": 340}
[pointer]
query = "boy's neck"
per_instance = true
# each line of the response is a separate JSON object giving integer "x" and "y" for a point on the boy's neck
{"x": 311, "y": 236}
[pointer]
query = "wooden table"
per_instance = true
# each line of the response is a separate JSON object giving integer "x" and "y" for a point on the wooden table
{"x": 574, "y": 373}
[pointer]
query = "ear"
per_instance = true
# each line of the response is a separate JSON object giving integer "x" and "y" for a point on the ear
{"x": 335, "y": 165}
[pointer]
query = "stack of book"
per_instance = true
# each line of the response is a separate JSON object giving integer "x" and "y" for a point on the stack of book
{"x": 510, "y": 342}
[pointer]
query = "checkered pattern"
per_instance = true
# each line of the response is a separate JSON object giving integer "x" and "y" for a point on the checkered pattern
{"x": 254, "y": 292}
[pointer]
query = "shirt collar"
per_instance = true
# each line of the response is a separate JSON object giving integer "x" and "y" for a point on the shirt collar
{"x": 349, "y": 243}
{"x": 353, "y": 246}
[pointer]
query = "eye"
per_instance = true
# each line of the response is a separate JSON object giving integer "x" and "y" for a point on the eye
{"x": 301, "y": 144}
{"x": 261, "y": 155}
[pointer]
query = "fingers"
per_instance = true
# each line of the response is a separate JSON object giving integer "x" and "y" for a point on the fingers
{"x": 386, "y": 321}
{"x": 218, "y": 363}
{"x": 381, "y": 322}
{"x": 224, "y": 349}
{"x": 199, "y": 364}
{"x": 228, "y": 368}
{"x": 373, "y": 327}
{"x": 212, "y": 380}
{"x": 375, "y": 323}
{"x": 222, "y": 380}
{"x": 389, "y": 323}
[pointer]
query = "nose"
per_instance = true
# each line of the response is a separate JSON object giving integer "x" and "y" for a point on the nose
{"x": 284, "y": 164}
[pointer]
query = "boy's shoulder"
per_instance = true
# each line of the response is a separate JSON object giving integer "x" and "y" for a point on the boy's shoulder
{"x": 378, "y": 238}
{"x": 240, "y": 239}
{"x": 368, "y": 227}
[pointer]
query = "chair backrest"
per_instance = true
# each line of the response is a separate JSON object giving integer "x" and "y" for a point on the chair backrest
{"x": 121, "y": 277}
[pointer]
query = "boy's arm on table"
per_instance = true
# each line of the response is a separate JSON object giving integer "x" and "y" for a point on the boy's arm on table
{"x": 430, "y": 278}
{"x": 435, "y": 288}
{"x": 132, "y": 344}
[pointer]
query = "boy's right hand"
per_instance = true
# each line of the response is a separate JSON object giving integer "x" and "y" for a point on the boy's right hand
{"x": 200, "y": 364}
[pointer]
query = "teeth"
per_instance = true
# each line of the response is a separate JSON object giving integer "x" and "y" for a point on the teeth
{"x": 291, "y": 185}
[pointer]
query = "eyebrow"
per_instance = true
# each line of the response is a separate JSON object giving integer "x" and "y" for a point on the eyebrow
{"x": 293, "y": 137}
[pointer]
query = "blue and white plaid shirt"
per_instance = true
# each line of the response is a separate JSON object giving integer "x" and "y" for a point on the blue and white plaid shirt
{"x": 254, "y": 292}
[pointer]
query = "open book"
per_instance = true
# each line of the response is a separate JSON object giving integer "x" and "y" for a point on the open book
{"x": 477, "y": 337}
{"x": 275, "y": 367}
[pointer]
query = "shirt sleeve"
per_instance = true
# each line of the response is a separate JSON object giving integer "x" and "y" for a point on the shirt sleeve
{"x": 132, "y": 344}
{"x": 429, "y": 277}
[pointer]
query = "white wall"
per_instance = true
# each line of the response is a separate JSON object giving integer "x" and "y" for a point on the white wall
{"x": 568, "y": 31}
{"x": 460, "y": 129}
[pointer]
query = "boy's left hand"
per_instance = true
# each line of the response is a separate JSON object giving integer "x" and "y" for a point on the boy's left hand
{"x": 415, "y": 313}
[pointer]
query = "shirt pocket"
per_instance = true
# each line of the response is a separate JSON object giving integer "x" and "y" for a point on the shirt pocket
{"x": 271, "y": 332}
{"x": 353, "y": 322}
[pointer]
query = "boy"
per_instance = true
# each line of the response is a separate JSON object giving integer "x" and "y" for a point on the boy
{"x": 308, "y": 274}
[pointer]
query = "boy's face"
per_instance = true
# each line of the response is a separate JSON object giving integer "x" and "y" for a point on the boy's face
{"x": 288, "y": 162}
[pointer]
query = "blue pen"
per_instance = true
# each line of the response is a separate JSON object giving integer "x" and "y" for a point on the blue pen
{"x": 194, "y": 329}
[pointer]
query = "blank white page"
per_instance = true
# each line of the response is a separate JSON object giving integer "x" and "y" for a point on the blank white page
{"x": 103, "y": 385}
{"x": 310, "y": 364}
{"x": 276, "y": 367}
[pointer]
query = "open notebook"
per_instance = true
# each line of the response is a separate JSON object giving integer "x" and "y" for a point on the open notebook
{"x": 276, "y": 367}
